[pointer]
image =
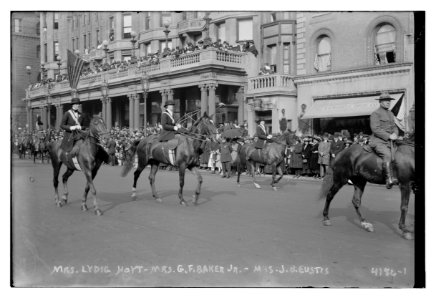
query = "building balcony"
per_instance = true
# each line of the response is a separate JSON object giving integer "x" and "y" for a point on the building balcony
{"x": 94, "y": 54}
{"x": 193, "y": 25}
{"x": 185, "y": 62}
{"x": 270, "y": 84}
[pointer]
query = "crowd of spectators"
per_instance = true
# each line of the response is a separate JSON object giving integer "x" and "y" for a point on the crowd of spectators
{"x": 94, "y": 67}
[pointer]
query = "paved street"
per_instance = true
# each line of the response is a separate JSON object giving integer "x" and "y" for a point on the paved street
{"x": 236, "y": 236}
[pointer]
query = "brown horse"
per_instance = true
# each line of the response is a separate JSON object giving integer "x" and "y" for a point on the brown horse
{"x": 187, "y": 153}
{"x": 90, "y": 157}
{"x": 360, "y": 165}
{"x": 273, "y": 154}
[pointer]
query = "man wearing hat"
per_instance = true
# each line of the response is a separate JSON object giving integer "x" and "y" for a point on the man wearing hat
{"x": 72, "y": 122}
{"x": 336, "y": 146}
{"x": 384, "y": 131}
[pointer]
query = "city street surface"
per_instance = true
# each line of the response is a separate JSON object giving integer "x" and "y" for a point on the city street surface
{"x": 235, "y": 237}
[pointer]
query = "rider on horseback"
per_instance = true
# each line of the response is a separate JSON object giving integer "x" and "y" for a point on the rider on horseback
{"x": 72, "y": 122}
{"x": 262, "y": 136}
{"x": 384, "y": 130}
{"x": 169, "y": 128}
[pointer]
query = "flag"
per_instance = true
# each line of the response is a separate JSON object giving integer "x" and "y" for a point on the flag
{"x": 74, "y": 66}
{"x": 399, "y": 112}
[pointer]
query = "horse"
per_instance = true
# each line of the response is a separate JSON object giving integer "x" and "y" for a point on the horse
{"x": 273, "y": 154}
{"x": 39, "y": 147}
{"x": 189, "y": 148}
{"x": 360, "y": 165}
{"x": 90, "y": 157}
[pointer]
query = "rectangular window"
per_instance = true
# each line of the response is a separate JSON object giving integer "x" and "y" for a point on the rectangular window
{"x": 272, "y": 54}
{"x": 127, "y": 26}
{"x": 89, "y": 18}
{"x": 73, "y": 44}
{"x": 17, "y": 25}
{"x": 84, "y": 42}
{"x": 84, "y": 19}
{"x": 273, "y": 17}
{"x": 45, "y": 52}
{"x": 111, "y": 29}
{"x": 38, "y": 52}
{"x": 245, "y": 30}
{"x": 89, "y": 40}
{"x": 56, "y": 21}
{"x": 221, "y": 31}
{"x": 163, "y": 43}
{"x": 44, "y": 20}
{"x": 147, "y": 20}
{"x": 165, "y": 18}
{"x": 97, "y": 36}
{"x": 148, "y": 49}
{"x": 127, "y": 58}
{"x": 286, "y": 58}
{"x": 55, "y": 49}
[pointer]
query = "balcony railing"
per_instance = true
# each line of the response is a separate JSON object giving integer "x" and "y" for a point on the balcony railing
{"x": 269, "y": 83}
{"x": 166, "y": 65}
{"x": 191, "y": 25}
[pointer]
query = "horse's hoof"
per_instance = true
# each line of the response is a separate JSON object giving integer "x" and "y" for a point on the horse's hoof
{"x": 183, "y": 202}
{"x": 408, "y": 236}
{"x": 159, "y": 200}
{"x": 367, "y": 226}
{"x": 98, "y": 212}
{"x": 275, "y": 188}
{"x": 59, "y": 204}
{"x": 133, "y": 196}
{"x": 257, "y": 186}
{"x": 84, "y": 207}
{"x": 327, "y": 223}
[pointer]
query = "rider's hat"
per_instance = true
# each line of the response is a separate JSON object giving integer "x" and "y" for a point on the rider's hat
{"x": 384, "y": 96}
{"x": 75, "y": 101}
{"x": 169, "y": 102}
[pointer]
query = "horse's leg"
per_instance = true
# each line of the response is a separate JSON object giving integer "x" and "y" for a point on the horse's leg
{"x": 332, "y": 192}
{"x": 136, "y": 174}
{"x": 279, "y": 169}
{"x": 56, "y": 169}
{"x": 253, "y": 173}
{"x": 274, "y": 172}
{"x": 90, "y": 183}
{"x": 199, "y": 182}
{"x": 65, "y": 177}
{"x": 84, "y": 207}
{"x": 405, "y": 195}
{"x": 238, "y": 170}
{"x": 182, "y": 168}
{"x": 359, "y": 186}
{"x": 152, "y": 178}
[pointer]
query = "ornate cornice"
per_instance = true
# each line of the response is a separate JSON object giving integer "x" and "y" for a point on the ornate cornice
{"x": 354, "y": 73}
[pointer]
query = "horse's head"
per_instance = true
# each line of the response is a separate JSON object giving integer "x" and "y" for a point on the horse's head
{"x": 98, "y": 128}
{"x": 287, "y": 138}
{"x": 205, "y": 127}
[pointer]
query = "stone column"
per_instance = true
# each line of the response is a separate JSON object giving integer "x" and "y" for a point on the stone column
{"x": 58, "y": 115}
{"x": 44, "y": 117}
{"x": 164, "y": 99}
{"x": 136, "y": 110}
{"x": 275, "y": 119}
{"x": 131, "y": 115}
{"x": 240, "y": 97}
{"x": 103, "y": 109}
{"x": 48, "y": 116}
{"x": 145, "y": 108}
{"x": 170, "y": 94}
{"x": 30, "y": 117}
{"x": 251, "y": 120}
{"x": 203, "y": 88}
{"x": 109, "y": 113}
{"x": 212, "y": 100}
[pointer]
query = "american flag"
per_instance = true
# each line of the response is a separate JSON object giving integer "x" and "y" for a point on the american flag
{"x": 75, "y": 65}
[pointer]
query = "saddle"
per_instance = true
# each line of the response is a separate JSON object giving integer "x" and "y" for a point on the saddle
{"x": 166, "y": 147}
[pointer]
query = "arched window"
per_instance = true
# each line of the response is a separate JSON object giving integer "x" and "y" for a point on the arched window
{"x": 384, "y": 46}
{"x": 323, "y": 55}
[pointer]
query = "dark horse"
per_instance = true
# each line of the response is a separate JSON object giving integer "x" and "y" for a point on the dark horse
{"x": 186, "y": 156}
{"x": 273, "y": 154}
{"x": 90, "y": 157}
{"x": 362, "y": 166}
{"x": 40, "y": 147}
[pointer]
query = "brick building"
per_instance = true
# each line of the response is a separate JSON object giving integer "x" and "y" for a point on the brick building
{"x": 321, "y": 62}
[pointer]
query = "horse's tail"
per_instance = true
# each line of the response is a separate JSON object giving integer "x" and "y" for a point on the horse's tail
{"x": 327, "y": 183}
{"x": 130, "y": 158}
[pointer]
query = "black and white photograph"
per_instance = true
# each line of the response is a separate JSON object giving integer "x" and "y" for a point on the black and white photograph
{"x": 217, "y": 148}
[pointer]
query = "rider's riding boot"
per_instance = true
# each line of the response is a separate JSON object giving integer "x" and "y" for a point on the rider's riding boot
{"x": 390, "y": 179}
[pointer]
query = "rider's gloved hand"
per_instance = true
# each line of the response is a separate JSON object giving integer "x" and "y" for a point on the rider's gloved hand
{"x": 176, "y": 128}
{"x": 269, "y": 136}
{"x": 393, "y": 136}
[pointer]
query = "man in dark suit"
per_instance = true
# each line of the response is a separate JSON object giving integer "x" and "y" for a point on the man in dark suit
{"x": 283, "y": 123}
{"x": 384, "y": 131}
{"x": 336, "y": 146}
{"x": 72, "y": 122}
{"x": 262, "y": 136}
{"x": 111, "y": 146}
{"x": 226, "y": 158}
{"x": 169, "y": 127}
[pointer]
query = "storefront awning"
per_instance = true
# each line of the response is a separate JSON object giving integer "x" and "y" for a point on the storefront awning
{"x": 345, "y": 107}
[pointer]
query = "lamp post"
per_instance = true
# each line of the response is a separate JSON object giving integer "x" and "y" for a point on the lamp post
{"x": 133, "y": 40}
{"x": 106, "y": 50}
{"x": 29, "y": 72}
{"x": 166, "y": 31}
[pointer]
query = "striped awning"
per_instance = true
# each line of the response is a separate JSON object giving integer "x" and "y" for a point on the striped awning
{"x": 346, "y": 107}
